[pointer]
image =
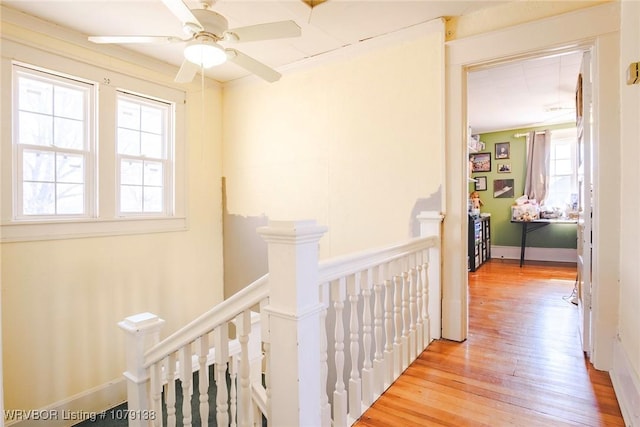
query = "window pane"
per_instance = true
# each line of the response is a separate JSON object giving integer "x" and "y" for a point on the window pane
{"x": 35, "y": 96}
{"x": 152, "y": 120}
{"x": 68, "y": 133}
{"x": 35, "y": 129}
{"x": 151, "y": 145}
{"x": 69, "y": 103}
{"x": 38, "y": 198}
{"x": 153, "y": 174}
{"x": 563, "y": 167}
{"x": 131, "y": 172}
{"x": 128, "y": 115}
{"x": 563, "y": 151}
{"x": 70, "y": 199}
{"x": 152, "y": 199}
{"x": 128, "y": 142}
{"x": 38, "y": 166}
{"x": 130, "y": 198}
{"x": 70, "y": 168}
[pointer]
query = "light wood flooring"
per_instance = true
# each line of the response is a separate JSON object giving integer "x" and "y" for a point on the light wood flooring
{"x": 522, "y": 364}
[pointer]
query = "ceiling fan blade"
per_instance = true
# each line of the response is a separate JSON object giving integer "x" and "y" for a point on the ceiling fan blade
{"x": 250, "y": 64}
{"x": 135, "y": 39}
{"x": 187, "y": 72}
{"x": 182, "y": 12}
{"x": 268, "y": 31}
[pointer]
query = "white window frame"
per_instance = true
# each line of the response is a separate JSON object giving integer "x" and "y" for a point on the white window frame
{"x": 166, "y": 159}
{"x": 88, "y": 152}
{"x": 105, "y": 219}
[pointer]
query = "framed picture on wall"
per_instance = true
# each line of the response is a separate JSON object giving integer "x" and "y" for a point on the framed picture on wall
{"x": 503, "y": 188}
{"x": 502, "y": 150}
{"x": 481, "y": 183}
{"x": 504, "y": 167}
{"x": 480, "y": 162}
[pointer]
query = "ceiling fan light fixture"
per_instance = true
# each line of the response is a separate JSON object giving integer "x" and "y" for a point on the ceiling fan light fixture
{"x": 205, "y": 52}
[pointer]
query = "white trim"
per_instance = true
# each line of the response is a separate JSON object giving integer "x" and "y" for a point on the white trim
{"x": 30, "y": 231}
{"x": 535, "y": 253}
{"x": 626, "y": 385}
{"x": 96, "y": 401}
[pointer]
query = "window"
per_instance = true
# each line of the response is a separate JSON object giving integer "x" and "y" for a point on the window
{"x": 52, "y": 136}
{"x": 143, "y": 155}
{"x": 562, "y": 169}
{"x": 90, "y": 152}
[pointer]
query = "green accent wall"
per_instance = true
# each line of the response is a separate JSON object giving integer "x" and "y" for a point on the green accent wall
{"x": 505, "y": 233}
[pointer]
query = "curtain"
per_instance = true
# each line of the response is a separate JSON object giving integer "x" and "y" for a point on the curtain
{"x": 536, "y": 184}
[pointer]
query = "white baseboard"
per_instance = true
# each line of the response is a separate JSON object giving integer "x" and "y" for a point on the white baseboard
{"x": 626, "y": 384}
{"x": 73, "y": 410}
{"x": 535, "y": 253}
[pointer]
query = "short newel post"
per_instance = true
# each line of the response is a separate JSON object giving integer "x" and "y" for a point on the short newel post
{"x": 294, "y": 318}
{"x": 142, "y": 332}
{"x": 430, "y": 225}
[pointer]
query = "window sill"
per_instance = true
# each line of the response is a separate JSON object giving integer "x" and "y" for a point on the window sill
{"x": 78, "y": 229}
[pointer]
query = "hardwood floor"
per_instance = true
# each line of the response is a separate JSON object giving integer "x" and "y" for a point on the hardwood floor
{"x": 522, "y": 364}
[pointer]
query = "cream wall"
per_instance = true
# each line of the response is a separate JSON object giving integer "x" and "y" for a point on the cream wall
{"x": 353, "y": 143}
{"x": 629, "y": 315}
{"x": 62, "y": 299}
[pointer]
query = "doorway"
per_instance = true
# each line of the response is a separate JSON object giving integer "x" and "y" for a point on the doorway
{"x": 594, "y": 28}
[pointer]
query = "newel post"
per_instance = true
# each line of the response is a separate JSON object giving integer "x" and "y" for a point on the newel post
{"x": 294, "y": 322}
{"x": 431, "y": 225}
{"x": 142, "y": 331}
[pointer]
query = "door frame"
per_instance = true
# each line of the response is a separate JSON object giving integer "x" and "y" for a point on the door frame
{"x": 596, "y": 27}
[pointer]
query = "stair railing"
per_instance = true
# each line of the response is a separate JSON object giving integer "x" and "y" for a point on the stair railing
{"x": 288, "y": 363}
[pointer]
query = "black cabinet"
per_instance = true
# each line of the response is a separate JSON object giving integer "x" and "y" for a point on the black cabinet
{"x": 479, "y": 249}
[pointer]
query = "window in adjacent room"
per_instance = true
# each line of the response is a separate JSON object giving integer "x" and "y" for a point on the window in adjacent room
{"x": 562, "y": 169}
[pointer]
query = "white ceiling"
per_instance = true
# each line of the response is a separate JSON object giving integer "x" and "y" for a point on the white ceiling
{"x": 499, "y": 98}
{"x": 531, "y": 93}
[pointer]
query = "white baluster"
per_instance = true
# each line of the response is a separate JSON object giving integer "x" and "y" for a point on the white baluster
{"x": 378, "y": 321}
{"x": 413, "y": 310}
{"x": 256, "y": 358}
{"x": 325, "y": 407}
{"x": 397, "y": 321}
{"x": 243, "y": 326}
{"x": 170, "y": 399}
{"x": 233, "y": 392}
{"x": 221, "y": 342}
{"x": 426, "y": 296}
{"x": 420, "y": 344}
{"x": 155, "y": 372}
{"x": 267, "y": 378}
{"x": 266, "y": 346}
{"x": 404, "y": 283}
{"x": 186, "y": 373}
{"x": 367, "y": 368}
{"x": 355, "y": 385}
{"x": 202, "y": 347}
{"x": 388, "y": 328}
{"x": 339, "y": 394}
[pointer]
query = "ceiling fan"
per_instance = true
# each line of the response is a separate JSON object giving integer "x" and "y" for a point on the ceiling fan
{"x": 205, "y": 29}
